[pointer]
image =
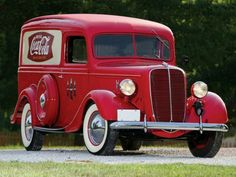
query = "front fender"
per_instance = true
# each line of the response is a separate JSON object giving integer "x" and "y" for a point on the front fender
{"x": 108, "y": 103}
{"x": 28, "y": 95}
{"x": 214, "y": 109}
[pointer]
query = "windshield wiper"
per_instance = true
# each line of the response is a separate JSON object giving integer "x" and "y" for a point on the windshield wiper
{"x": 159, "y": 38}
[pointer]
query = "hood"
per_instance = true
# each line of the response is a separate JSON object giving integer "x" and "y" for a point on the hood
{"x": 132, "y": 67}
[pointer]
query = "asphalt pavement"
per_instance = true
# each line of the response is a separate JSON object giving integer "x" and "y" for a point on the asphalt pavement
{"x": 153, "y": 155}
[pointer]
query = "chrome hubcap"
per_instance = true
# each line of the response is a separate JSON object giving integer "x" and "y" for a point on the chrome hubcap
{"x": 28, "y": 127}
{"x": 42, "y": 100}
{"x": 96, "y": 129}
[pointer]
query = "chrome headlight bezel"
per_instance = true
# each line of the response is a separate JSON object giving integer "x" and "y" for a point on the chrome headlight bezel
{"x": 199, "y": 89}
{"x": 127, "y": 87}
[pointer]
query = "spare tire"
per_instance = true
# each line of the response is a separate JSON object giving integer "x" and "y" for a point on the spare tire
{"x": 47, "y": 100}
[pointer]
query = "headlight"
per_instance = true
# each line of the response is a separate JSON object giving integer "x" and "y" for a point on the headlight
{"x": 199, "y": 89}
{"x": 127, "y": 87}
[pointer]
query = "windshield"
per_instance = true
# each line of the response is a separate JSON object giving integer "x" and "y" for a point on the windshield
{"x": 125, "y": 45}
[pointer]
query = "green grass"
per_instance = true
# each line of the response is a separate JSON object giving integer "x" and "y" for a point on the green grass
{"x": 125, "y": 170}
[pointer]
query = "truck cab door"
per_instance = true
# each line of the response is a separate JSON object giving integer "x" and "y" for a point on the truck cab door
{"x": 74, "y": 77}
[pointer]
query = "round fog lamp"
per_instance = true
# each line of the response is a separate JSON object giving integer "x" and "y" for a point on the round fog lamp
{"x": 199, "y": 89}
{"x": 127, "y": 87}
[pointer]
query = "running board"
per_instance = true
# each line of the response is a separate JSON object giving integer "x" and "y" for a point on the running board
{"x": 49, "y": 130}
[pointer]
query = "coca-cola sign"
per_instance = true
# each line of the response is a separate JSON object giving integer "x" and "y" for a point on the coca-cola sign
{"x": 40, "y": 46}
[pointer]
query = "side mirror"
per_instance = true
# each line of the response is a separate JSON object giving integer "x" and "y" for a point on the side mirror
{"x": 185, "y": 59}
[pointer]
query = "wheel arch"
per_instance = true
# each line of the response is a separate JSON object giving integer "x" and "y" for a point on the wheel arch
{"x": 28, "y": 95}
{"x": 214, "y": 109}
{"x": 107, "y": 103}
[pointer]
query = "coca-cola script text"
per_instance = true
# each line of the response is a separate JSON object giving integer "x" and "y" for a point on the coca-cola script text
{"x": 40, "y": 46}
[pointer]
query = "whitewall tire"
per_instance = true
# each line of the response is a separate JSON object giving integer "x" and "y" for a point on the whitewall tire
{"x": 98, "y": 137}
{"x": 31, "y": 139}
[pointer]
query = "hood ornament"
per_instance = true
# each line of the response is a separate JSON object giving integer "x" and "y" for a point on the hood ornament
{"x": 165, "y": 64}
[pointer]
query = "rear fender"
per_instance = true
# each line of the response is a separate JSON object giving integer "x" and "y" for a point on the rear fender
{"x": 108, "y": 103}
{"x": 214, "y": 109}
{"x": 28, "y": 95}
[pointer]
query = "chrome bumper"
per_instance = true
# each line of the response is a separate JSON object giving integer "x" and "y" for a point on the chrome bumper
{"x": 169, "y": 126}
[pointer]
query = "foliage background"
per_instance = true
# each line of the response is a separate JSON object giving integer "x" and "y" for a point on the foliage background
{"x": 205, "y": 30}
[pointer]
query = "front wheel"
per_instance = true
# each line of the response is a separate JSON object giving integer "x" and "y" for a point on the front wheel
{"x": 98, "y": 137}
{"x": 206, "y": 144}
{"x": 31, "y": 139}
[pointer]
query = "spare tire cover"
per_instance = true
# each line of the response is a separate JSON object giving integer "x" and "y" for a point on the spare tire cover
{"x": 47, "y": 100}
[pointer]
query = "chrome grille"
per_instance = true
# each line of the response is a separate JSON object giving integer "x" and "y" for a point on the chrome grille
{"x": 168, "y": 94}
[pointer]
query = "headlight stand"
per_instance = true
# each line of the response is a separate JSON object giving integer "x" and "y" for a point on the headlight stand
{"x": 199, "y": 111}
{"x": 145, "y": 124}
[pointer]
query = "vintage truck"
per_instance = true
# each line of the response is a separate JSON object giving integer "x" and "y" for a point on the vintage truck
{"x": 110, "y": 77}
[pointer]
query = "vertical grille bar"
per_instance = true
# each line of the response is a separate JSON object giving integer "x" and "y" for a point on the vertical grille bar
{"x": 168, "y": 94}
{"x": 170, "y": 90}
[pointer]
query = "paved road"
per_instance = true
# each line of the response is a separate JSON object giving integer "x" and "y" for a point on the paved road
{"x": 226, "y": 156}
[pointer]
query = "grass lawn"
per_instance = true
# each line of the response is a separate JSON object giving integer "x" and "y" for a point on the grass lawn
{"x": 125, "y": 170}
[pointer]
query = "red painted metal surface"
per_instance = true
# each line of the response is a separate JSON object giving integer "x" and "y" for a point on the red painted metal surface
{"x": 76, "y": 85}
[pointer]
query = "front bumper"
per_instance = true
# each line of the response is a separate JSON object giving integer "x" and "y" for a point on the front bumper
{"x": 169, "y": 126}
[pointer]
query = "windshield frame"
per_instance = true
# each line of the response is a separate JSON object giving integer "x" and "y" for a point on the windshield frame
{"x": 135, "y": 56}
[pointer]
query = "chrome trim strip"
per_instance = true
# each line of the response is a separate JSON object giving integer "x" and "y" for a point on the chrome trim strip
{"x": 150, "y": 93}
{"x": 185, "y": 94}
{"x": 170, "y": 91}
{"x": 169, "y": 126}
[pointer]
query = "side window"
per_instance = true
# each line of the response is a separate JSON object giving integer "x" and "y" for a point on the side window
{"x": 77, "y": 52}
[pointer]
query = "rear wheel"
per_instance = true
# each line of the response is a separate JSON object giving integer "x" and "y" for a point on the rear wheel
{"x": 31, "y": 139}
{"x": 206, "y": 144}
{"x": 98, "y": 137}
{"x": 129, "y": 144}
